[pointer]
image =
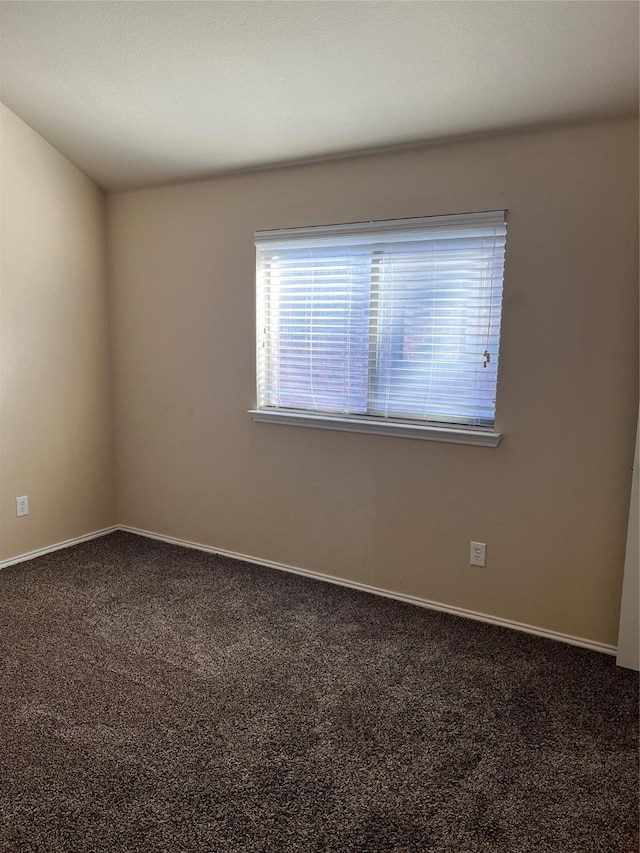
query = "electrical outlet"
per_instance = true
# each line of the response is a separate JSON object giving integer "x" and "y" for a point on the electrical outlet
{"x": 22, "y": 505}
{"x": 478, "y": 554}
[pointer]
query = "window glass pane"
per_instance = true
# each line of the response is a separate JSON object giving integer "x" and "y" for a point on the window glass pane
{"x": 437, "y": 331}
{"x": 317, "y": 320}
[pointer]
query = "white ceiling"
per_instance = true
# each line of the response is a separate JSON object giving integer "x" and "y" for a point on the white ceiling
{"x": 143, "y": 93}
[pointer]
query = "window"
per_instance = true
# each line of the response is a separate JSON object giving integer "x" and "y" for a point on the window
{"x": 384, "y": 326}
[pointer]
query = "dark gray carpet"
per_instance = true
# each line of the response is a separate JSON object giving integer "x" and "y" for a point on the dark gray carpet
{"x": 161, "y": 699}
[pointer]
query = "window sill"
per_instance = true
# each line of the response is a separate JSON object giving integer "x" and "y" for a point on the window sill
{"x": 430, "y": 432}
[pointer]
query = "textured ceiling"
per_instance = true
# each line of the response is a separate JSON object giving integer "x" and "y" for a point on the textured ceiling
{"x": 142, "y": 93}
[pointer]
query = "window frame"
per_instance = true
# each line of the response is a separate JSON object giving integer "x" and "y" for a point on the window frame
{"x": 431, "y": 429}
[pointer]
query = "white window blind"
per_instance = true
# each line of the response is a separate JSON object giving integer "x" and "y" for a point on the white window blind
{"x": 395, "y": 320}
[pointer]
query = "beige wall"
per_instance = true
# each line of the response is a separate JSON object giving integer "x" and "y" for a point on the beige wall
{"x": 551, "y": 501}
{"x": 56, "y": 427}
{"x": 629, "y": 631}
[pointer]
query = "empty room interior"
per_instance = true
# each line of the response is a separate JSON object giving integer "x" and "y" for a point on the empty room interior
{"x": 318, "y": 426}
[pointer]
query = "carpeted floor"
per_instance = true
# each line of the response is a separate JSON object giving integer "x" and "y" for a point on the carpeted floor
{"x": 161, "y": 699}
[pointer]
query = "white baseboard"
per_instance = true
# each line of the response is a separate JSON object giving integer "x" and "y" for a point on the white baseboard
{"x": 39, "y": 552}
{"x": 363, "y": 587}
{"x": 386, "y": 593}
